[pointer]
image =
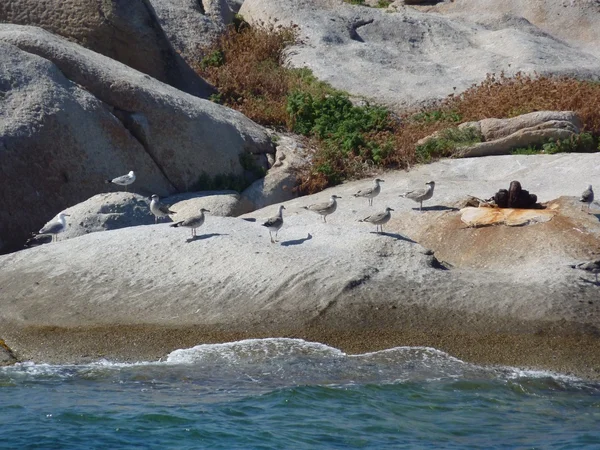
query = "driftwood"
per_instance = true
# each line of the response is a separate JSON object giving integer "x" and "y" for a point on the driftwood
{"x": 515, "y": 197}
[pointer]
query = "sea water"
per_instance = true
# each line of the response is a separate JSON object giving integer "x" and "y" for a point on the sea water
{"x": 292, "y": 394}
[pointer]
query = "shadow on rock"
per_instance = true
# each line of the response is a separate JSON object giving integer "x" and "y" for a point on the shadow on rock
{"x": 297, "y": 241}
{"x": 437, "y": 208}
{"x": 394, "y": 235}
{"x": 204, "y": 236}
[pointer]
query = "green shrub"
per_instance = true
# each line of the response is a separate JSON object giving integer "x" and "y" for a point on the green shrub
{"x": 447, "y": 142}
{"x": 213, "y": 59}
{"x": 579, "y": 143}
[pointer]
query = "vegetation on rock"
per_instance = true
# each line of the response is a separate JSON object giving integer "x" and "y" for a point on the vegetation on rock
{"x": 348, "y": 140}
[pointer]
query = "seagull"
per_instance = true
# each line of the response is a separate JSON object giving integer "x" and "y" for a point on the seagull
{"x": 275, "y": 223}
{"x": 159, "y": 209}
{"x": 371, "y": 192}
{"x": 325, "y": 208}
{"x": 123, "y": 180}
{"x": 420, "y": 195}
{"x": 587, "y": 196}
{"x": 590, "y": 266}
{"x": 192, "y": 222}
{"x": 55, "y": 226}
{"x": 379, "y": 219}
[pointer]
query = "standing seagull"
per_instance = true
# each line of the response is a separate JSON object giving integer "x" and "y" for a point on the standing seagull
{"x": 55, "y": 226}
{"x": 158, "y": 209}
{"x": 123, "y": 180}
{"x": 275, "y": 223}
{"x": 590, "y": 266}
{"x": 379, "y": 219}
{"x": 192, "y": 222}
{"x": 420, "y": 195}
{"x": 325, "y": 208}
{"x": 588, "y": 196}
{"x": 371, "y": 192}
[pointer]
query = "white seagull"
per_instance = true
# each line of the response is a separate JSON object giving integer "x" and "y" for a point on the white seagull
{"x": 420, "y": 195}
{"x": 379, "y": 219}
{"x": 123, "y": 180}
{"x": 159, "y": 209}
{"x": 325, "y": 208}
{"x": 274, "y": 223}
{"x": 371, "y": 192}
{"x": 55, "y": 226}
{"x": 192, "y": 222}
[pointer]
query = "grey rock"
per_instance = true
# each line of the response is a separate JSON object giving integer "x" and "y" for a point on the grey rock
{"x": 59, "y": 143}
{"x": 191, "y": 25}
{"x": 79, "y": 117}
{"x": 501, "y": 136}
{"x": 223, "y": 203}
{"x": 407, "y": 57}
{"x": 109, "y": 211}
{"x": 279, "y": 184}
{"x": 7, "y": 357}
{"x": 125, "y": 30}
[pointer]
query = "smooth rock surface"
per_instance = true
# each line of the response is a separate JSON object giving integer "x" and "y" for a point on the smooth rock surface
{"x": 406, "y": 57}
{"x": 124, "y": 30}
{"x": 332, "y": 282}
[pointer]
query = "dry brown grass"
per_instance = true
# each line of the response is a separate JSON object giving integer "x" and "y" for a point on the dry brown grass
{"x": 247, "y": 68}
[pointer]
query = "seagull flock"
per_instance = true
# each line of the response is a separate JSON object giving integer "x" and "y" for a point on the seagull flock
{"x": 274, "y": 223}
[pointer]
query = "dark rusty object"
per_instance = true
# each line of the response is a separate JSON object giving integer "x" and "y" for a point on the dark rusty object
{"x": 516, "y": 197}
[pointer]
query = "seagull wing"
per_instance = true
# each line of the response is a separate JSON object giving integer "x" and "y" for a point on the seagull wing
{"x": 165, "y": 209}
{"x": 52, "y": 228}
{"x": 364, "y": 192}
{"x": 587, "y": 196}
{"x": 273, "y": 221}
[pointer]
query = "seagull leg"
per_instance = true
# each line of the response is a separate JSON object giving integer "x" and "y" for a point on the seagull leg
{"x": 271, "y": 236}
{"x": 325, "y": 218}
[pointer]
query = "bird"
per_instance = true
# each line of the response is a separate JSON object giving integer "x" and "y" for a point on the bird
{"x": 379, "y": 219}
{"x": 589, "y": 266}
{"x": 159, "y": 209}
{"x": 55, "y": 226}
{"x": 420, "y": 195}
{"x": 192, "y": 222}
{"x": 325, "y": 208}
{"x": 371, "y": 192}
{"x": 123, "y": 180}
{"x": 275, "y": 223}
{"x": 587, "y": 196}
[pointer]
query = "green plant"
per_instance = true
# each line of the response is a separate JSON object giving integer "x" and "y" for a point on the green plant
{"x": 220, "y": 182}
{"x": 579, "y": 143}
{"x": 437, "y": 115}
{"x": 529, "y": 150}
{"x": 446, "y": 142}
{"x": 248, "y": 162}
{"x": 216, "y": 98}
{"x": 214, "y": 59}
{"x": 383, "y": 3}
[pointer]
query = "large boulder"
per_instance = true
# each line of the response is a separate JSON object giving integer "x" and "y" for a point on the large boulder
{"x": 191, "y": 25}
{"x": 141, "y": 292}
{"x": 575, "y": 22}
{"x": 125, "y": 30}
{"x": 406, "y": 57}
{"x": 78, "y": 117}
{"x": 501, "y": 136}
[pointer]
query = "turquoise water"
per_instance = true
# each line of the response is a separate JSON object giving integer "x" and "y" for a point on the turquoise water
{"x": 292, "y": 394}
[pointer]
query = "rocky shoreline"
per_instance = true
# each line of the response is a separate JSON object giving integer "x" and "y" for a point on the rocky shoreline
{"x": 492, "y": 295}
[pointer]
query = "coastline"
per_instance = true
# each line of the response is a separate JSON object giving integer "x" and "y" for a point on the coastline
{"x": 563, "y": 348}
